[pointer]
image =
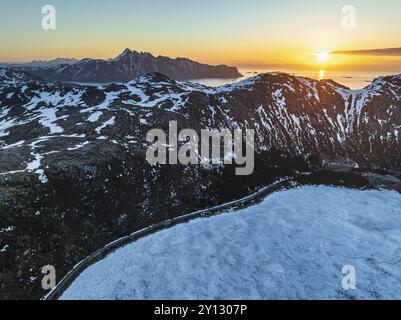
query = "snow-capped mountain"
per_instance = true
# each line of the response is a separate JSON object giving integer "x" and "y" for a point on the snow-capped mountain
{"x": 73, "y": 174}
{"x": 132, "y": 64}
{"x": 319, "y": 121}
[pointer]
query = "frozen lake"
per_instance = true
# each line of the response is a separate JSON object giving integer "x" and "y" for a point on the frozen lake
{"x": 293, "y": 245}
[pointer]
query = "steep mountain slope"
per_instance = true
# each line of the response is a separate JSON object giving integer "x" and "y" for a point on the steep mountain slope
{"x": 131, "y": 64}
{"x": 297, "y": 116}
{"x": 73, "y": 174}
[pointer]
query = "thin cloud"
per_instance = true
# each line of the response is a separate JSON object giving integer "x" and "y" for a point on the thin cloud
{"x": 372, "y": 52}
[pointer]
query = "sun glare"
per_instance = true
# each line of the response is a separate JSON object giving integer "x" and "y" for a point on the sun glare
{"x": 322, "y": 56}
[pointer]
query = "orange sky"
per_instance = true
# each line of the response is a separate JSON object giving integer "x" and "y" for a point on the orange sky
{"x": 243, "y": 33}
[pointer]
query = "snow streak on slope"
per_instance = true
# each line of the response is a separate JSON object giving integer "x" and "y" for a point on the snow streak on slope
{"x": 291, "y": 246}
{"x": 319, "y": 121}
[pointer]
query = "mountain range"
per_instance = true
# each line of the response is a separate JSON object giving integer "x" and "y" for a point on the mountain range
{"x": 125, "y": 67}
{"x": 73, "y": 174}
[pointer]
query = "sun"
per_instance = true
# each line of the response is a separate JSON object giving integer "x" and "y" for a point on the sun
{"x": 322, "y": 56}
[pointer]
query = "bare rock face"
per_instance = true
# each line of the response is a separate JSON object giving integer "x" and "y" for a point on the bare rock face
{"x": 127, "y": 66}
{"x": 73, "y": 174}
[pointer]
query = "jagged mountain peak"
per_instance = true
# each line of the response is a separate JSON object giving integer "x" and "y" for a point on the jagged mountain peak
{"x": 128, "y": 54}
{"x": 126, "y": 51}
{"x": 131, "y": 64}
{"x": 124, "y": 54}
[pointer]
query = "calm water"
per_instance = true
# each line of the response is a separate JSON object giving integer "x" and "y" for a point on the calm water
{"x": 353, "y": 80}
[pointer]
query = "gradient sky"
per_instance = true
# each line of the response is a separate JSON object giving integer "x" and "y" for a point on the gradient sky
{"x": 240, "y": 32}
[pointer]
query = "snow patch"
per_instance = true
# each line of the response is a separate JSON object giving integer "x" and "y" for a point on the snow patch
{"x": 109, "y": 122}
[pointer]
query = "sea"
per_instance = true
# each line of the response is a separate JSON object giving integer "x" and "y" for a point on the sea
{"x": 351, "y": 79}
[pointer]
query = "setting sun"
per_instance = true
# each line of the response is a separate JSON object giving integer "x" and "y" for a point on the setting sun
{"x": 322, "y": 56}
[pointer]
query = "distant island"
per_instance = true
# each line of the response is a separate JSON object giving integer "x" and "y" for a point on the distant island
{"x": 125, "y": 67}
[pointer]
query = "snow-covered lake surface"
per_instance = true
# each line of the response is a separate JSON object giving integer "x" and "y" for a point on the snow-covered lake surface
{"x": 293, "y": 245}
